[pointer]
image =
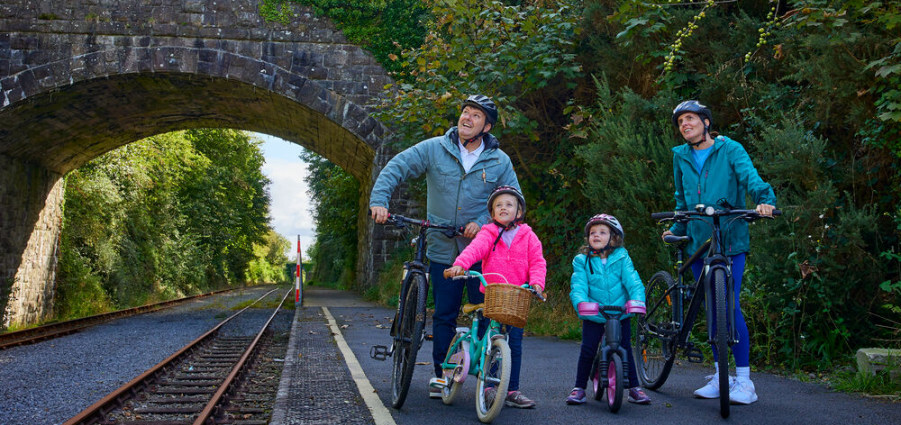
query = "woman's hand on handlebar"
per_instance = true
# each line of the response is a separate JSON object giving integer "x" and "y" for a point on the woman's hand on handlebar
{"x": 453, "y": 271}
{"x": 663, "y": 236}
{"x": 379, "y": 214}
{"x": 765, "y": 210}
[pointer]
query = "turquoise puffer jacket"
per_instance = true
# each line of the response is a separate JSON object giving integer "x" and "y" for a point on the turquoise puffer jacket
{"x": 727, "y": 174}
{"x": 454, "y": 196}
{"x": 612, "y": 284}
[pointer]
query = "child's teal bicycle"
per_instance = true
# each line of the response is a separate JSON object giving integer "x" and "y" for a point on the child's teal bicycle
{"x": 488, "y": 357}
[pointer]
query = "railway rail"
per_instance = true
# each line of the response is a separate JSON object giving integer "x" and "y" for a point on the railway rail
{"x": 54, "y": 330}
{"x": 221, "y": 377}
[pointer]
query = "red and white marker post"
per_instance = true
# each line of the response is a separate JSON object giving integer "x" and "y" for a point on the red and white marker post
{"x": 298, "y": 281}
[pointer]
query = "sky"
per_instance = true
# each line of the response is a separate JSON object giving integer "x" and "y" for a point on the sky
{"x": 290, "y": 203}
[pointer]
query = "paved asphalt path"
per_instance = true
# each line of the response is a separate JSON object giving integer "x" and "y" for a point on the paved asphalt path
{"x": 549, "y": 367}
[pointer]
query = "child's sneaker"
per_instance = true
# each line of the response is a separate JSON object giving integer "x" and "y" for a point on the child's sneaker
{"x": 517, "y": 400}
{"x": 576, "y": 397}
{"x": 436, "y": 386}
{"x": 742, "y": 391}
{"x": 712, "y": 389}
{"x": 637, "y": 396}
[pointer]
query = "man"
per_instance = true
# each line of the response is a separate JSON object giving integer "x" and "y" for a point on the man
{"x": 462, "y": 168}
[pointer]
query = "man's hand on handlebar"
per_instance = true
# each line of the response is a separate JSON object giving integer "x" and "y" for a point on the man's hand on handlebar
{"x": 471, "y": 229}
{"x": 453, "y": 271}
{"x": 379, "y": 214}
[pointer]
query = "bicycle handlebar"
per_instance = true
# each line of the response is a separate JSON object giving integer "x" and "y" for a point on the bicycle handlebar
{"x": 709, "y": 211}
{"x": 469, "y": 273}
{"x": 399, "y": 221}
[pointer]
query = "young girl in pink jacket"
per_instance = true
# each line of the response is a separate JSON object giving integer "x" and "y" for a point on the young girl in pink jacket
{"x": 508, "y": 247}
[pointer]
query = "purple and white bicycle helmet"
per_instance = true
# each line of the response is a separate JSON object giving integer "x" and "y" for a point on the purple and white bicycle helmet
{"x": 607, "y": 219}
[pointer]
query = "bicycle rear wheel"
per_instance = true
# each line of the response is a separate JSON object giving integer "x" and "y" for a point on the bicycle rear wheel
{"x": 495, "y": 373}
{"x": 722, "y": 338}
{"x": 656, "y": 332}
{"x": 458, "y": 356}
{"x": 408, "y": 340}
{"x": 615, "y": 382}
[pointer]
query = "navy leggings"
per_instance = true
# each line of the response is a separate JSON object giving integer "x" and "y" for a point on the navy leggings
{"x": 592, "y": 332}
{"x": 742, "y": 350}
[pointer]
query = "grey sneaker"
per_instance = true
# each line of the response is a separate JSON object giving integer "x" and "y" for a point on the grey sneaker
{"x": 519, "y": 401}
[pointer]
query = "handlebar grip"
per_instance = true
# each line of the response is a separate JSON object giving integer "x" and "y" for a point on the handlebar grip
{"x": 662, "y": 215}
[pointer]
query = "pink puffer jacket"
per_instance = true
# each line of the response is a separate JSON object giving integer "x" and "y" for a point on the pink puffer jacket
{"x": 520, "y": 263}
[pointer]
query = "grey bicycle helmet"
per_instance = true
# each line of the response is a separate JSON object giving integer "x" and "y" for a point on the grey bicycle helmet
{"x": 485, "y": 104}
{"x": 607, "y": 219}
{"x": 692, "y": 106}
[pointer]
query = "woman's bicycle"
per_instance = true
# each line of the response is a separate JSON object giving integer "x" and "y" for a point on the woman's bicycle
{"x": 666, "y": 327}
{"x": 487, "y": 358}
{"x": 610, "y": 363}
{"x": 408, "y": 326}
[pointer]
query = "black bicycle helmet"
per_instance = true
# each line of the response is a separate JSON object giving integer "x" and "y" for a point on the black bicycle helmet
{"x": 485, "y": 104}
{"x": 692, "y": 106}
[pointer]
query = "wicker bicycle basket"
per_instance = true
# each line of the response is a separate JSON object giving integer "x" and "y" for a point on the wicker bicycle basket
{"x": 508, "y": 304}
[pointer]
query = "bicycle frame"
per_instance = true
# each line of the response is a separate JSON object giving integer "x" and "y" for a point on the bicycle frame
{"x": 478, "y": 347}
{"x": 613, "y": 334}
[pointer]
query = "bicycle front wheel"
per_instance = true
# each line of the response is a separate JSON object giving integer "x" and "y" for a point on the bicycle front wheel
{"x": 615, "y": 382}
{"x": 722, "y": 338}
{"x": 408, "y": 340}
{"x": 495, "y": 373}
{"x": 657, "y": 331}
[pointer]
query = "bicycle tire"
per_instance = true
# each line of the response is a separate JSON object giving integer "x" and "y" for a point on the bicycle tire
{"x": 722, "y": 339}
{"x": 496, "y": 369}
{"x": 409, "y": 339}
{"x": 455, "y": 356}
{"x": 615, "y": 382}
{"x": 656, "y": 332}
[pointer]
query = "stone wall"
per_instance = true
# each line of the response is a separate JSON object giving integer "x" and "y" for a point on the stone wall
{"x": 29, "y": 242}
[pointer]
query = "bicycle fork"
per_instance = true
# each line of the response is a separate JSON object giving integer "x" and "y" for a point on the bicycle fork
{"x": 730, "y": 303}
{"x": 613, "y": 335}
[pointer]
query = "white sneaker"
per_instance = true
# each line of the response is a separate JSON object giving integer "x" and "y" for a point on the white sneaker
{"x": 742, "y": 392}
{"x": 712, "y": 389}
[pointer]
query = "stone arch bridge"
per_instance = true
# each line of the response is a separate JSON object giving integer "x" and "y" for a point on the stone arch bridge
{"x": 81, "y": 78}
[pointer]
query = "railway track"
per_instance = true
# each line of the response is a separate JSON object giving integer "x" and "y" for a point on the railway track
{"x": 54, "y": 330}
{"x": 228, "y": 375}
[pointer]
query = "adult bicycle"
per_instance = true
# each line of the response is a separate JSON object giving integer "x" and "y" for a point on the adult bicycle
{"x": 408, "y": 326}
{"x": 487, "y": 357}
{"x": 666, "y": 327}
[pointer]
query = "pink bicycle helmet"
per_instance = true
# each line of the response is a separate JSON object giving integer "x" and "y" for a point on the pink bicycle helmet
{"x": 608, "y": 220}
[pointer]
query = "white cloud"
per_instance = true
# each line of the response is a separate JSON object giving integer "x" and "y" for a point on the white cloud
{"x": 290, "y": 203}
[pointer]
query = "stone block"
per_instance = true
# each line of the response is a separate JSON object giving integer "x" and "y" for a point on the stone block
{"x": 872, "y": 360}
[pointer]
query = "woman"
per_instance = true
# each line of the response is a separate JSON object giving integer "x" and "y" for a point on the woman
{"x": 715, "y": 170}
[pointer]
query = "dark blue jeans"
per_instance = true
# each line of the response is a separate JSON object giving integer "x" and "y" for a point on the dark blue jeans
{"x": 592, "y": 332}
{"x": 741, "y": 351}
{"x": 448, "y": 295}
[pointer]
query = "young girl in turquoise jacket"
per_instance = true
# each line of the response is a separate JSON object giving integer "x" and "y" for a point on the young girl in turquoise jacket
{"x": 603, "y": 273}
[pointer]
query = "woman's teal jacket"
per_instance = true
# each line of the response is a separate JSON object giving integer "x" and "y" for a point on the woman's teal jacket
{"x": 729, "y": 175}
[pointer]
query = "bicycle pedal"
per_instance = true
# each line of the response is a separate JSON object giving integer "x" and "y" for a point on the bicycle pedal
{"x": 429, "y": 337}
{"x": 379, "y": 352}
{"x": 694, "y": 355}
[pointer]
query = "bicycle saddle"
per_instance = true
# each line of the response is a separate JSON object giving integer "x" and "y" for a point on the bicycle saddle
{"x": 673, "y": 239}
{"x": 469, "y": 308}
